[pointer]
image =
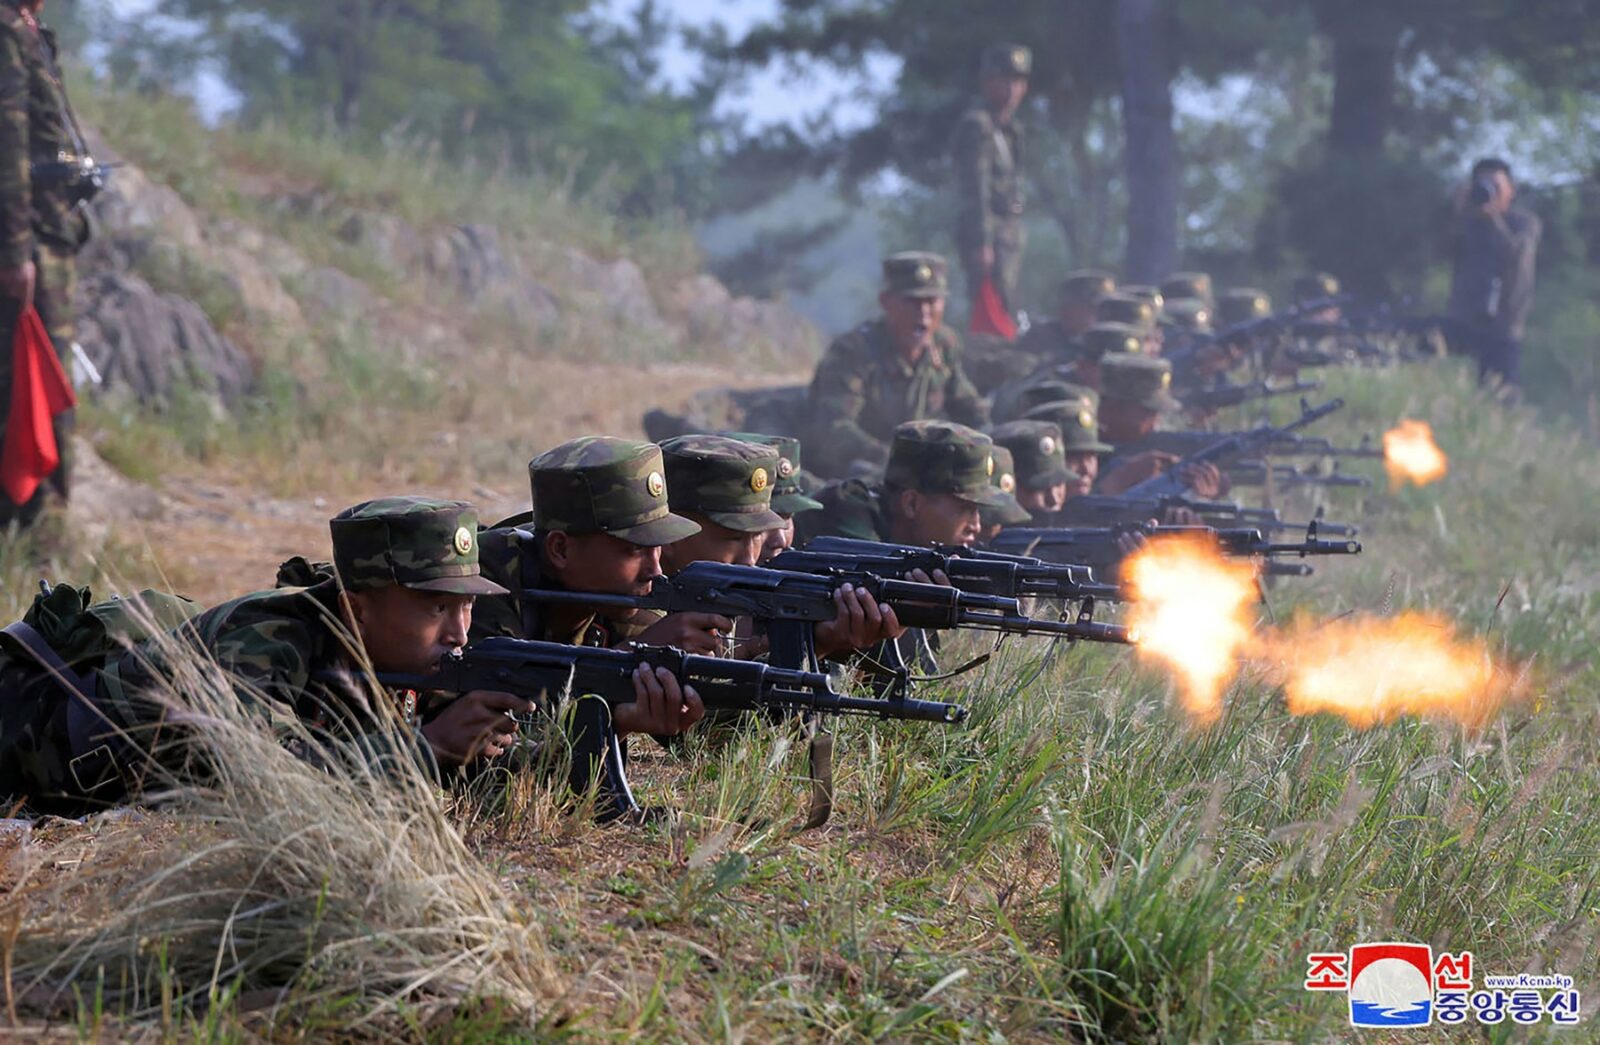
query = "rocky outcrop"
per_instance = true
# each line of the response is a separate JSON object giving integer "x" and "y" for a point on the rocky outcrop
{"x": 149, "y": 343}
{"x": 713, "y": 315}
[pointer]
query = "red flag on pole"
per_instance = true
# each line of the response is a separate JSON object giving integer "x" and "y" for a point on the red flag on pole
{"x": 39, "y": 391}
{"x": 989, "y": 315}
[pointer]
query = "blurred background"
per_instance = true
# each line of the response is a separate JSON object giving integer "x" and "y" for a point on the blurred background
{"x": 798, "y": 140}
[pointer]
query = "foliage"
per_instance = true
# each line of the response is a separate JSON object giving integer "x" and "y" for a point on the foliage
{"x": 535, "y": 83}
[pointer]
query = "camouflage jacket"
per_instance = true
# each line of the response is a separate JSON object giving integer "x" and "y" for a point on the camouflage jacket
{"x": 863, "y": 390}
{"x": 508, "y": 554}
{"x": 33, "y": 127}
{"x": 277, "y": 647}
{"x": 988, "y": 171}
{"x": 850, "y": 508}
{"x": 1048, "y": 345}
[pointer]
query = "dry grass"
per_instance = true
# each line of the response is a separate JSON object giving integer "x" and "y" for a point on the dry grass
{"x": 339, "y": 896}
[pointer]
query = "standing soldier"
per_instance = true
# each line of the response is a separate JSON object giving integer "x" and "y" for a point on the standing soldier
{"x": 45, "y": 173}
{"x": 987, "y": 150}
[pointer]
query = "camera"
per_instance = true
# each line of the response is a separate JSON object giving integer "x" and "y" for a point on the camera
{"x": 1482, "y": 192}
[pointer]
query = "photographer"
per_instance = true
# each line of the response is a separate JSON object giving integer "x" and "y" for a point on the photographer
{"x": 1491, "y": 290}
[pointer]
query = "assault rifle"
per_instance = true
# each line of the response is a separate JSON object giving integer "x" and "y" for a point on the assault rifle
{"x": 790, "y": 605}
{"x": 1229, "y": 447}
{"x": 984, "y": 571}
{"x": 81, "y": 177}
{"x": 1289, "y": 477}
{"x": 1191, "y": 441}
{"x": 1112, "y": 510}
{"x": 1101, "y": 547}
{"x": 1248, "y": 330}
{"x": 550, "y": 670}
{"x": 1225, "y": 394}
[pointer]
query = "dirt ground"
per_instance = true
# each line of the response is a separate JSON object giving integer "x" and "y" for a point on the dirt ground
{"x": 213, "y": 536}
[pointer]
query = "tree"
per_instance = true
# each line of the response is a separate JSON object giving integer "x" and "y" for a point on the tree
{"x": 539, "y": 80}
{"x": 1144, "y": 48}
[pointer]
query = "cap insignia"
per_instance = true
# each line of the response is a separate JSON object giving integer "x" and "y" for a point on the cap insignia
{"x": 463, "y": 541}
{"x": 1166, "y": 379}
{"x": 758, "y": 480}
{"x": 1086, "y": 418}
{"x": 924, "y": 274}
{"x": 785, "y": 468}
{"x": 655, "y": 484}
{"x": 1047, "y": 445}
{"x": 988, "y": 465}
{"x": 1008, "y": 483}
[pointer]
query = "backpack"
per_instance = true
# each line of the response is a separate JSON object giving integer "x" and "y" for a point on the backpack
{"x": 48, "y": 661}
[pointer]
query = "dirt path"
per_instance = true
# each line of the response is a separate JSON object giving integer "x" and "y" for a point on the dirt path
{"x": 211, "y": 536}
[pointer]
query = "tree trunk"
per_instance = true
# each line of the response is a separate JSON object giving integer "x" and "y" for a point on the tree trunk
{"x": 1364, "y": 82}
{"x": 1144, "y": 46}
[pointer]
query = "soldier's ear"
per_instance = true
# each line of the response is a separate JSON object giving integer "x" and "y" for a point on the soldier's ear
{"x": 910, "y": 503}
{"x": 557, "y": 549}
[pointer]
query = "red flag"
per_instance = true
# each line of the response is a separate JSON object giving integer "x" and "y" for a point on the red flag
{"x": 989, "y": 315}
{"x": 39, "y": 391}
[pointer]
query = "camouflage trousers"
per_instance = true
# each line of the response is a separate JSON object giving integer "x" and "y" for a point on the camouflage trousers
{"x": 57, "y": 280}
{"x": 1007, "y": 271}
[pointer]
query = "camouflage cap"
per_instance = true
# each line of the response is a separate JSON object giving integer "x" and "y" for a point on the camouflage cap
{"x": 1189, "y": 314}
{"x": 1125, "y": 308}
{"x": 1038, "y": 450}
{"x": 1006, "y": 60}
{"x": 916, "y": 274}
{"x": 1242, "y": 304}
{"x": 1314, "y": 285}
{"x": 599, "y": 484}
{"x": 1139, "y": 379}
{"x": 1103, "y": 339}
{"x": 415, "y": 542}
{"x": 1088, "y": 285}
{"x": 788, "y": 497}
{"x": 1079, "y": 422}
{"x": 727, "y": 481}
{"x": 1004, "y": 480}
{"x": 943, "y": 457}
{"x": 1188, "y": 285}
{"x": 1148, "y": 294}
{"x": 1014, "y": 400}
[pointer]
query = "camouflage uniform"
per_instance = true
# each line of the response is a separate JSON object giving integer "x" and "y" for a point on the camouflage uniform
{"x": 1140, "y": 379}
{"x": 863, "y": 388}
{"x": 1241, "y": 305}
{"x": 928, "y": 456}
{"x": 1048, "y": 343}
{"x": 38, "y": 221}
{"x": 932, "y": 457}
{"x": 594, "y": 484}
{"x": 789, "y": 497}
{"x": 1039, "y": 451}
{"x": 284, "y": 650}
{"x": 988, "y": 160}
{"x": 1004, "y": 479}
{"x": 1196, "y": 285}
{"x": 723, "y": 479}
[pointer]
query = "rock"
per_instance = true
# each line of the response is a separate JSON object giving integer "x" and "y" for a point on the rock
{"x": 134, "y": 206}
{"x": 619, "y": 285}
{"x": 150, "y": 343}
{"x": 715, "y": 316}
{"x": 390, "y": 241}
{"x": 776, "y": 411}
{"x": 337, "y": 295}
{"x": 473, "y": 260}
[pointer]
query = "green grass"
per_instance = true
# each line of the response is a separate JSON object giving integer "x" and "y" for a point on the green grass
{"x": 1077, "y": 861}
